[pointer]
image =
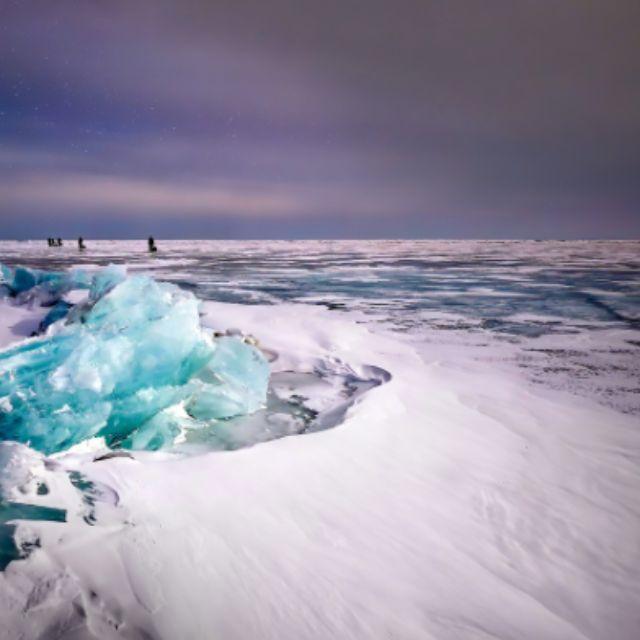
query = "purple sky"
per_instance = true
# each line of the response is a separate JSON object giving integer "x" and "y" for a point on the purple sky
{"x": 290, "y": 119}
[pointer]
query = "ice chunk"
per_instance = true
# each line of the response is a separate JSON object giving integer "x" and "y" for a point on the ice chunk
{"x": 42, "y": 287}
{"x": 159, "y": 431}
{"x": 233, "y": 383}
{"x": 105, "y": 280}
{"x": 136, "y": 352}
{"x": 57, "y": 312}
{"x": 22, "y": 279}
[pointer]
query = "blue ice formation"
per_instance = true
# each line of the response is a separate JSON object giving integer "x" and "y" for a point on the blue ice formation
{"x": 132, "y": 365}
{"x": 44, "y": 287}
{"x": 22, "y": 279}
{"x": 58, "y": 311}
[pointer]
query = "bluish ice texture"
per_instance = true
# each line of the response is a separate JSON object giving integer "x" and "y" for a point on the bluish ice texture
{"x": 105, "y": 279}
{"x": 43, "y": 287}
{"x": 58, "y": 311}
{"x": 22, "y": 279}
{"x": 120, "y": 367}
{"x": 566, "y": 313}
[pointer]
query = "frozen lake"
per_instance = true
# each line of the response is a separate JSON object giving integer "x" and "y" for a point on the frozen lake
{"x": 462, "y": 460}
{"x": 567, "y": 314}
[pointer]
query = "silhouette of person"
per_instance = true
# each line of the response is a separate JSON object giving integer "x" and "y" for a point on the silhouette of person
{"x": 152, "y": 244}
{"x": 59, "y": 243}
{"x": 81, "y": 245}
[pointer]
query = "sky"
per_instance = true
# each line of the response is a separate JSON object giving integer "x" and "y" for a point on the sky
{"x": 325, "y": 119}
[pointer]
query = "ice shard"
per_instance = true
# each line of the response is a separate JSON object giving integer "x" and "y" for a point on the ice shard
{"x": 22, "y": 279}
{"x": 42, "y": 287}
{"x": 58, "y": 311}
{"x": 114, "y": 370}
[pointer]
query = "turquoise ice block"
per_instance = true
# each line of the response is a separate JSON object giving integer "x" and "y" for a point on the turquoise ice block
{"x": 113, "y": 370}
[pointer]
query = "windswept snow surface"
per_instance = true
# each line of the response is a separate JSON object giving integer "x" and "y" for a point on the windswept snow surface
{"x": 481, "y": 479}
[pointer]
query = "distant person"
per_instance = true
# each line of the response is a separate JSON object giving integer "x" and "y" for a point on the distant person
{"x": 49, "y": 242}
{"x": 152, "y": 245}
{"x": 81, "y": 246}
{"x": 59, "y": 243}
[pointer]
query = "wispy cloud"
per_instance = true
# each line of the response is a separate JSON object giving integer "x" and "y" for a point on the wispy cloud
{"x": 415, "y": 117}
{"x": 81, "y": 194}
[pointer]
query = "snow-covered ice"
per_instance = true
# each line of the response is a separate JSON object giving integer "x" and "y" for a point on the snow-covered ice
{"x": 434, "y": 486}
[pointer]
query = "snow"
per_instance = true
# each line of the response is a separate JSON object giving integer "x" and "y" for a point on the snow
{"x": 452, "y": 499}
{"x": 17, "y": 322}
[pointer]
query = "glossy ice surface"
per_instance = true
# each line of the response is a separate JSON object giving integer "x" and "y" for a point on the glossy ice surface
{"x": 118, "y": 363}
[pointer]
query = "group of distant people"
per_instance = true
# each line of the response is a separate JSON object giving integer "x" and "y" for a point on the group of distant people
{"x": 57, "y": 242}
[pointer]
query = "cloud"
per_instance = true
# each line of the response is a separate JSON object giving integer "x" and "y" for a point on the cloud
{"x": 415, "y": 114}
{"x": 82, "y": 194}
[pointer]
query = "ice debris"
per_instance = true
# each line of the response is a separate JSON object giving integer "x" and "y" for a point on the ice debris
{"x": 58, "y": 311}
{"x": 23, "y": 279}
{"x": 132, "y": 365}
{"x": 45, "y": 288}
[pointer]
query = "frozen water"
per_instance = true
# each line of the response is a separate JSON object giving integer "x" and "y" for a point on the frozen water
{"x": 22, "y": 279}
{"x": 106, "y": 279}
{"x": 119, "y": 365}
{"x": 59, "y": 310}
{"x": 441, "y": 507}
{"x": 45, "y": 288}
{"x": 565, "y": 313}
